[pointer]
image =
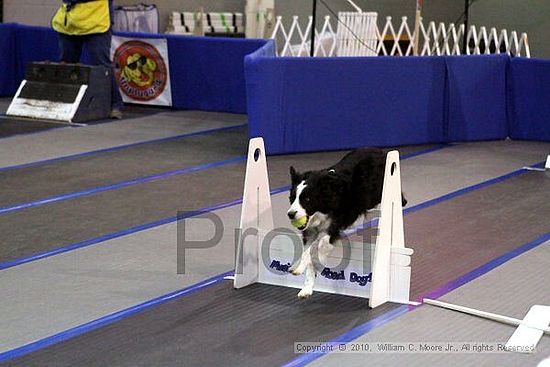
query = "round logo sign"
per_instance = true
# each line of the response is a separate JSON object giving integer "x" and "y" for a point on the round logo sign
{"x": 140, "y": 70}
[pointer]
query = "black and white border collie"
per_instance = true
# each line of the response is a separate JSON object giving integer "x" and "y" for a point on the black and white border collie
{"x": 331, "y": 200}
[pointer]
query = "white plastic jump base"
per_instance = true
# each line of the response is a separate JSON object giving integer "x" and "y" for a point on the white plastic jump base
{"x": 379, "y": 272}
{"x": 44, "y": 109}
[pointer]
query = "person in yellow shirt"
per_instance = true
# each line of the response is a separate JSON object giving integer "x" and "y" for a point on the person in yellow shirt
{"x": 88, "y": 22}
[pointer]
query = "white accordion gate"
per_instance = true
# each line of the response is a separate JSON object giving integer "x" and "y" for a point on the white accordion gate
{"x": 358, "y": 34}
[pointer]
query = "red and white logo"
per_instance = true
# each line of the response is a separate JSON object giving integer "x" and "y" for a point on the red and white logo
{"x": 140, "y": 70}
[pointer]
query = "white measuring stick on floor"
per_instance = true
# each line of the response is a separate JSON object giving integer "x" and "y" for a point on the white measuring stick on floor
{"x": 534, "y": 169}
{"x": 529, "y": 330}
{"x": 546, "y": 166}
{"x": 487, "y": 315}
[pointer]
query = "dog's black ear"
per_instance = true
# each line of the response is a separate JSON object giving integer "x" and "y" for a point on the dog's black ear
{"x": 294, "y": 175}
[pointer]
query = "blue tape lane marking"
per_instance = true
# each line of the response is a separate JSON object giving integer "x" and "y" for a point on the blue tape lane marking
{"x": 354, "y": 333}
{"x": 109, "y": 319}
{"x": 120, "y": 147}
{"x": 483, "y": 269}
{"x": 360, "y": 330}
{"x": 110, "y": 236}
{"x": 300, "y": 361}
{"x": 425, "y": 151}
{"x": 96, "y": 240}
{"x": 77, "y": 194}
{"x": 373, "y": 222}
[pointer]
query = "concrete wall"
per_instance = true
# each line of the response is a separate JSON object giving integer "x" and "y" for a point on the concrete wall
{"x": 441, "y": 10}
{"x": 531, "y": 16}
{"x": 40, "y": 12}
{"x": 33, "y": 12}
{"x": 167, "y": 6}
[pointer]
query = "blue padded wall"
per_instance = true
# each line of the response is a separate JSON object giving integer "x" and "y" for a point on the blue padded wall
{"x": 206, "y": 73}
{"x": 304, "y": 104}
{"x": 34, "y": 44}
{"x": 8, "y": 79}
{"x": 529, "y": 99}
{"x": 476, "y": 97}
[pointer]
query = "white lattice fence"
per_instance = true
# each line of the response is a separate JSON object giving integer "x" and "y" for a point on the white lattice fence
{"x": 358, "y": 34}
{"x": 359, "y": 37}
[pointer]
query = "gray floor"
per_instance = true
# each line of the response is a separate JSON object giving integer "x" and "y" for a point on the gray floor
{"x": 66, "y": 222}
{"x": 90, "y": 171}
{"x": 45, "y": 297}
{"x": 83, "y": 285}
{"x": 248, "y": 327}
{"x": 67, "y": 141}
{"x": 251, "y": 314}
{"x": 510, "y": 290}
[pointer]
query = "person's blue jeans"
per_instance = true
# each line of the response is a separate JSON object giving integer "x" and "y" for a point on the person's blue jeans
{"x": 99, "y": 49}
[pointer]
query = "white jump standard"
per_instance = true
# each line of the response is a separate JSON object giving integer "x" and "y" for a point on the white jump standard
{"x": 379, "y": 272}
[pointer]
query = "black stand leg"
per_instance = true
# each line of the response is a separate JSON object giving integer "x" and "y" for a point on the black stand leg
{"x": 312, "y": 50}
{"x": 466, "y": 14}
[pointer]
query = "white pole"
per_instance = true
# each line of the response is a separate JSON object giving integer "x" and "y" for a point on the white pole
{"x": 486, "y": 315}
{"x": 355, "y": 6}
{"x": 417, "y": 26}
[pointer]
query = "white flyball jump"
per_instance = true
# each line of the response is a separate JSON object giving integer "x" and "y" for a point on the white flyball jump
{"x": 379, "y": 272}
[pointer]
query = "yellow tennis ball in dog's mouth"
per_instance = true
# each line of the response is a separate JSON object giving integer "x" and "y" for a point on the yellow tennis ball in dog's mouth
{"x": 300, "y": 222}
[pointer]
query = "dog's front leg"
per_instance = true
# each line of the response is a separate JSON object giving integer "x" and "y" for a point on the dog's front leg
{"x": 300, "y": 267}
{"x": 307, "y": 290}
{"x": 320, "y": 254}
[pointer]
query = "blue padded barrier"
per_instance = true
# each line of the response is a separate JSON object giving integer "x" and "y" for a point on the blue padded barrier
{"x": 304, "y": 104}
{"x": 529, "y": 99}
{"x": 259, "y": 86}
{"x": 476, "y": 97}
{"x": 206, "y": 73}
{"x": 267, "y": 50}
{"x": 8, "y": 80}
{"x": 34, "y": 44}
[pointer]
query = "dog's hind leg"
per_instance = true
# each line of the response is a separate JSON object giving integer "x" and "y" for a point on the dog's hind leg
{"x": 324, "y": 249}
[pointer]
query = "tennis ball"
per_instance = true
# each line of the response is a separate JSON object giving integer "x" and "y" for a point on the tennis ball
{"x": 300, "y": 222}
